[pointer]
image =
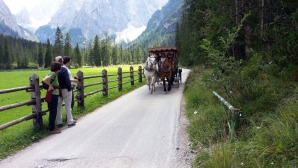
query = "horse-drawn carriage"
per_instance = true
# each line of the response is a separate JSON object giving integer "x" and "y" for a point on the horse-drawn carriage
{"x": 163, "y": 63}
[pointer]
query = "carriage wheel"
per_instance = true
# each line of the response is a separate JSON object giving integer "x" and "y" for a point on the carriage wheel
{"x": 178, "y": 79}
{"x": 180, "y": 76}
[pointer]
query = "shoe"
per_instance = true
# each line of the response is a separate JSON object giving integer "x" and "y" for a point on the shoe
{"x": 60, "y": 125}
{"x": 75, "y": 119}
{"x": 55, "y": 131}
{"x": 70, "y": 125}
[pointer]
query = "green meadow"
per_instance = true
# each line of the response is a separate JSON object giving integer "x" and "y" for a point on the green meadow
{"x": 23, "y": 134}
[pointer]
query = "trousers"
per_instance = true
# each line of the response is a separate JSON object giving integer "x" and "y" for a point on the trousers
{"x": 53, "y": 112}
{"x": 66, "y": 97}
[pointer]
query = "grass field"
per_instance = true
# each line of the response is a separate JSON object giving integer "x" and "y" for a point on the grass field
{"x": 21, "y": 135}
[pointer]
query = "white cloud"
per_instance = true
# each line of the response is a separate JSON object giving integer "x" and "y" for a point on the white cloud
{"x": 16, "y": 5}
{"x": 36, "y": 23}
{"x": 130, "y": 33}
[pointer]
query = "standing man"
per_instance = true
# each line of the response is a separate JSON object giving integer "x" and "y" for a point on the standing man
{"x": 65, "y": 84}
{"x": 66, "y": 64}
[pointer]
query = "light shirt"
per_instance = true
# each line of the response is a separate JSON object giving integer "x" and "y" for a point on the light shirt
{"x": 69, "y": 74}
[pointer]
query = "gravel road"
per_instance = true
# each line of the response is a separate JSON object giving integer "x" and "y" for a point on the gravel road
{"x": 138, "y": 130}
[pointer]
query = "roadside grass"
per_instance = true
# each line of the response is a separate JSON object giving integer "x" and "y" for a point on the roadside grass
{"x": 208, "y": 119}
{"x": 268, "y": 128}
{"x": 19, "y": 136}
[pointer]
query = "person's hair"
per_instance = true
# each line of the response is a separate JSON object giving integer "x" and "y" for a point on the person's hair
{"x": 55, "y": 66}
{"x": 59, "y": 59}
{"x": 66, "y": 59}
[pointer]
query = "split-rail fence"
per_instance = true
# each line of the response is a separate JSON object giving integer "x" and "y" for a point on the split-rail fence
{"x": 36, "y": 99}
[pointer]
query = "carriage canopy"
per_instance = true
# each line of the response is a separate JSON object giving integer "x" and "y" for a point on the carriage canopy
{"x": 159, "y": 50}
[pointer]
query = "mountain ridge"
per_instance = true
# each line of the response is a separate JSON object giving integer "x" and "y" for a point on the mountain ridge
{"x": 8, "y": 19}
{"x": 9, "y": 25}
{"x": 161, "y": 26}
{"x": 96, "y": 17}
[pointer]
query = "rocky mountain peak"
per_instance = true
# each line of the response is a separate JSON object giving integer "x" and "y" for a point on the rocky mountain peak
{"x": 95, "y": 17}
{"x": 8, "y": 19}
{"x": 23, "y": 17}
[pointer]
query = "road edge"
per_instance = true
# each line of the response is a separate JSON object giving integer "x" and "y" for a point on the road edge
{"x": 185, "y": 156}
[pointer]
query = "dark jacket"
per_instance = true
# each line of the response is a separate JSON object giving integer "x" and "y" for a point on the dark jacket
{"x": 63, "y": 79}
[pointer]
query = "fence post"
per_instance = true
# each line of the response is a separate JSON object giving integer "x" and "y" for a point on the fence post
{"x": 120, "y": 79}
{"x": 131, "y": 76}
{"x": 235, "y": 116}
{"x": 105, "y": 82}
{"x": 80, "y": 93}
{"x": 140, "y": 74}
{"x": 36, "y": 108}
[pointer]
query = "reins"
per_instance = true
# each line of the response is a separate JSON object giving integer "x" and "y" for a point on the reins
{"x": 164, "y": 67}
{"x": 151, "y": 67}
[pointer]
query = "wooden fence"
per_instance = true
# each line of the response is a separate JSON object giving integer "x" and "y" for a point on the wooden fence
{"x": 36, "y": 98}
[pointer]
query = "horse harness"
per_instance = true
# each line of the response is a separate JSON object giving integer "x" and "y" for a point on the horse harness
{"x": 164, "y": 67}
{"x": 151, "y": 68}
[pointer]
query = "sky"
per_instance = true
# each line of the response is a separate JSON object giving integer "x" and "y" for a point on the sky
{"x": 16, "y": 5}
{"x": 41, "y": 11}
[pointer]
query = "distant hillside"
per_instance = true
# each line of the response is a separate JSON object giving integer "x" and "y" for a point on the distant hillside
{"x": 161, "y": 27}
{"x": 47, "y": 32}
{"x": 4, "y": 29}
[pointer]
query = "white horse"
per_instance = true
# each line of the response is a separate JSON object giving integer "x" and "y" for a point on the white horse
{"x": 150, "y": 72}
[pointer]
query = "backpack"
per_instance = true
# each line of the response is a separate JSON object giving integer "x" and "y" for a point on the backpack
{"x": 45, "y": 86}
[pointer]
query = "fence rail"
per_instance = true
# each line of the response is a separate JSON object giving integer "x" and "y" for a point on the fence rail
{"x": 235, "y": 116}
{"x": 36, "y": 100}
{"x": 15, "y": 89}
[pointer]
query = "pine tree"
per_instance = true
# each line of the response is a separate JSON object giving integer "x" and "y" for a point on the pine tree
{"x": 85, "y": 55}
{"x": 140, "y": 53}
{"x": 96, "y": 51}
{"x": 78, "y": 56}
{"x": 177, "y": 38}
{"x": 58, "y": 45}
{"x": 134, "y": 55}
{"x": 120, "y": 55}
{"x": 90, "y": 54}
{"x": 7, "y": 55}
{"x": 40, "y": 55}
{"x": 67, "y": 46}
{"x": 157, "y": 42}
{"x": 106, "y": 50}
{"x": 114, "y": 53}
{"x": 1, "y": 57}
{"x": 126, "y": 55}
{"x": 48, "y": 56}
{"x": 24, "y": 62}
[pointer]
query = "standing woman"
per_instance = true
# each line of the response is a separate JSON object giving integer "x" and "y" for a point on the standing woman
{"x": 52, "y": 95}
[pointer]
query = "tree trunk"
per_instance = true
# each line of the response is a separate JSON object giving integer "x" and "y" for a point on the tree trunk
{"x": 247, "y": 28}
{"x": 261, "y": 5}
{"x": 239, "y": 47}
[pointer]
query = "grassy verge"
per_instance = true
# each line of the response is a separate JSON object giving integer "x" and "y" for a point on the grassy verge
{"x": 22, "y": 135}
{"x": 268, "y": 133}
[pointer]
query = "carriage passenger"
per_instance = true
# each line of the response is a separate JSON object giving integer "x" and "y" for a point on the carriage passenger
{"x": 163, "y": 57}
